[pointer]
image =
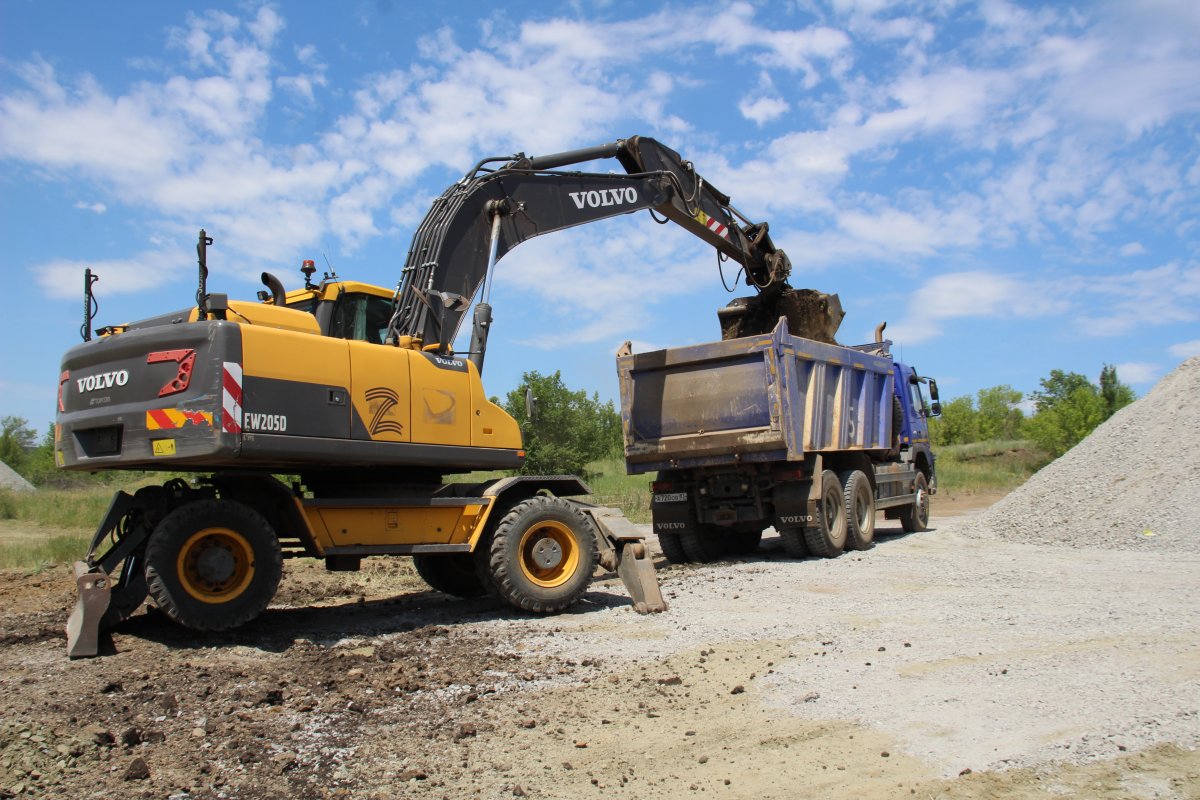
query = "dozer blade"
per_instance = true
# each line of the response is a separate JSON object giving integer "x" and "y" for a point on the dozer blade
{"x": 83, "y": 626}
{"x": 623, "y": 550}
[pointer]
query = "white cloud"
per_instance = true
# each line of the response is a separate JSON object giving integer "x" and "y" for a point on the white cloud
{"x": 60, "y": 278}
{"x": 1185, "y": 349}
{"x": 1133, "y": 249}
{"x": 1137, "y": 372}
{"x": 95, "y": 208}
{"x": 763, "y": 109}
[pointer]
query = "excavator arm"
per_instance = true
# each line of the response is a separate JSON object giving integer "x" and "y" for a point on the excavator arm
{"x": 491, "y": 210}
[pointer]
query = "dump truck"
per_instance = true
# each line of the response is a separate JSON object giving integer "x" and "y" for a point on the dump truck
{"x": 773, "y": 429}
{"x": 357, "y": 392}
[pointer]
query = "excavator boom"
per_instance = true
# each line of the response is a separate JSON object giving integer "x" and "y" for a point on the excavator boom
{"x": 489, "y": 211}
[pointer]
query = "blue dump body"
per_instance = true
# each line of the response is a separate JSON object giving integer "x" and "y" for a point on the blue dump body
{"x": 768, "y": 398}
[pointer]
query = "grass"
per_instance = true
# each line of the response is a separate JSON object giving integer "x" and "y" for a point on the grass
{"x": 984, "y": 466}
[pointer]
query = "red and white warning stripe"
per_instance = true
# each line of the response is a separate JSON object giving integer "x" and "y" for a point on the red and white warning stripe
{"x": 717, "y": 228}
{"x": 231, "y": 397}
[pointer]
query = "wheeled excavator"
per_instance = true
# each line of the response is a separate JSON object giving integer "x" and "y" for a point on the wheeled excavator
{"x": 357, "y": 392}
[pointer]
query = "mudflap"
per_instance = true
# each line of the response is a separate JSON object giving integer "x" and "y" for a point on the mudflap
{"x": 104, "y": 601}
{"x": 623, "y": 549}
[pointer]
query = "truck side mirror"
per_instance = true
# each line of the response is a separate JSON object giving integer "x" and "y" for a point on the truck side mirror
{"x": 935, "y": 409}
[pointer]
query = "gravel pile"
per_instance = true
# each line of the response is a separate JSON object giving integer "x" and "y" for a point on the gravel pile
{"x": 1134, "y": 484}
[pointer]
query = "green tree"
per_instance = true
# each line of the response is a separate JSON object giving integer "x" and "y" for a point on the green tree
{"x": 999, "y": 416}
{"x": 15, "y": 438}
{"x": 569, "y": 429}
{"x": 958, "y": 424}
{"x": 1116, "y": 395}
{"x": 1069, "y": 407}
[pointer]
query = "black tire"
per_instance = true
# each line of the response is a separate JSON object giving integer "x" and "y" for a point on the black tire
{"x": 859, "y": 500}
{"x": 828, "y": 537}
{"x": 212, "y": 565}
{"x": 450, "y": 573}
{"x": 794, "y": 543}
{"x": 915, "y": 517}
{"x": 672, "y": 548}
{"x": 742, "y": 543}
{"x": 702, "y": 543}
{"x": 542, "y": 555}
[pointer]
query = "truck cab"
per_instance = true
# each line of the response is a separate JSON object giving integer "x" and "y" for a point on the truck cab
{"x": 912, "y": 430}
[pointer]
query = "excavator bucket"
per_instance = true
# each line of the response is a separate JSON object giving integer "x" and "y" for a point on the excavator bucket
{"x": 83, "y": 625}
{"x": 810, "y": 314}
{"x": 623, "y": 550}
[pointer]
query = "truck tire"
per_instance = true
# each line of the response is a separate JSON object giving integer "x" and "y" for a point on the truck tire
{"x": 742, "y": 543}
{"x": 828, "y": 538}
{"x": 915, "y": 517}
{"x": 542, "y": 555}
{"x": 794, "y": 543}
{"x": 212, "y": 565}
{"x": 672, "y": 548}
{"x": 859, "y": 499}
{"x": 450, "y": 573}
{"x": 702, "y": 544}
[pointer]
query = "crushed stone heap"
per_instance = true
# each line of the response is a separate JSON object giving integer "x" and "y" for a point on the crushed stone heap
{"x": 1133, "y": 484}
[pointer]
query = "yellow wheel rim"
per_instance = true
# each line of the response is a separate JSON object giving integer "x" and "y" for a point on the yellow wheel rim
{"x": 215, "y": 565}
{"x": 549, "y": 554}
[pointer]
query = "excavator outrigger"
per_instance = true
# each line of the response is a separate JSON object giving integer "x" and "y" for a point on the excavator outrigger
{"x": 357, "y": 390}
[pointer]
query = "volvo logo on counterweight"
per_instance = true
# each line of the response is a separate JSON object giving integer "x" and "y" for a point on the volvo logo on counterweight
{"x": 105, "y": 380}
{"x": 604, "y": 197}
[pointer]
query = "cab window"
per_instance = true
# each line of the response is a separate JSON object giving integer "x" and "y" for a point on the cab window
{"x": 362, "y": 317}
{"x": 918, "y": 400}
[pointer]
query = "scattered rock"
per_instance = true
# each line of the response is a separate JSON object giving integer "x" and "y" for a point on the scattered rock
{"x": 465, "y": 731}
{"x": 413, "y": 775}
{"x": 738, "y": 689}
{"x": 674, "y": 680}
{"x": 138, "y": 770}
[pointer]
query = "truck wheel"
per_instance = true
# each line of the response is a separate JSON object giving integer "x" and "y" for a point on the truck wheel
{"x": 859, "y": 499}
{"x": 672, "y": 548}
{"x": 742, "y": 543}
{"x": 702, "y": 544}
{"x": 915, "y": 517}
{"x": 828, "y": 538}
{"x": 450, "y": 573}
{"x": 542, "y": 555}
{"x": 212, "y": 565}
{"x": 793, "y": 542}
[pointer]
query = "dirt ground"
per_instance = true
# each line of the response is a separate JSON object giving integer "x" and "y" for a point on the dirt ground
{"x": 931, "y": 666}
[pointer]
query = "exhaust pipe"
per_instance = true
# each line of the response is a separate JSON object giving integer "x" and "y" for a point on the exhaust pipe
{"x": 879, "y": 332}
{"x": 278, "y": 295}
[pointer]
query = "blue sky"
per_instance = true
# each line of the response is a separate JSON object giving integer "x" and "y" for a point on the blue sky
{"x": 1014, "y": 187}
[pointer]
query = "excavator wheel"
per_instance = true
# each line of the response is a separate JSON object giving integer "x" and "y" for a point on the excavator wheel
{"x": 450, "y": 573}
{"x": 212, "y": 564}
{"x": 859, "y": 499}
{"x": 542, "y": 555}
{"x": 828, "y": 537}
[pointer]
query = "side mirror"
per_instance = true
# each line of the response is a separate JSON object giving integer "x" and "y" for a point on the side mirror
{"x": 935, "y": 409}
